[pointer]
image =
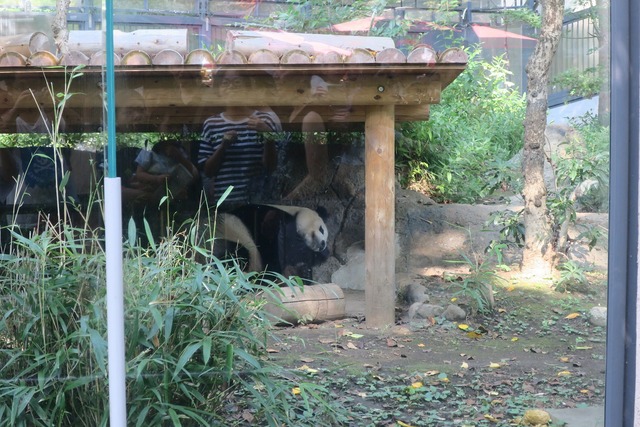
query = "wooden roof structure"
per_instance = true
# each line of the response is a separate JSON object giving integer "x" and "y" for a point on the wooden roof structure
{"x": 376, "y": 82}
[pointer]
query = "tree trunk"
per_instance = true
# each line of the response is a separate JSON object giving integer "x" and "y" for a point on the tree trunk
{"x": 59, "y": 27}
{"x": 539, "y": 254}
{"x": 604, "y": 54}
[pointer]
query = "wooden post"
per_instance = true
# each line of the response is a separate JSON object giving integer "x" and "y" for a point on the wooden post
{"x": 380, "y": 256}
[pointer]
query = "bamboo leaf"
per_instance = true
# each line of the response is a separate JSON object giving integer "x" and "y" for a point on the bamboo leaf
{"x": 185, "y": 357}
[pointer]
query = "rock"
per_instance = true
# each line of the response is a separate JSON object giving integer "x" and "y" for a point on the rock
{"x": 598, "y": 316}
{"x": 415, "y": 292}
{"x": 351, "y": 275}
{"x": 424, "y": 311}
{"x": 454, "y": 313}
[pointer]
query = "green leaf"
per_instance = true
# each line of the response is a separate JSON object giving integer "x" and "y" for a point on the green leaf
{"x": 185, "y": 357}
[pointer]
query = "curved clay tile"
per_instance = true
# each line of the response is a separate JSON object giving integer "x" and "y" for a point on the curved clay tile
{"x": 42, "y": 59}
{"x": 391, "y": 56}
{"x": 330, "y": 57}
{"x": 263, "y": 56}
{"x": 422, "y": 55}
{"x": 99, "y": 58}
{"x": 231, "y": 57}
{"x": 199, "y": 57}
{"x": 360, "y": 56}
{"x": 296, "y": 56}
{"x": 168, "y": 57}
{"x": 74, "y": 57}
{"x": 454, "y": 55}
{"x": 136, "y": 57}
{"x": 12, "y": 59}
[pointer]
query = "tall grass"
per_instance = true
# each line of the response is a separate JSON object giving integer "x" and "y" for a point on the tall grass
{"x": 196, "y": 337}
{"x": 195, "y": 328}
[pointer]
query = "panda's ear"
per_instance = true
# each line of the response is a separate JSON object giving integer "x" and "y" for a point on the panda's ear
{"x": 322, "y": 211}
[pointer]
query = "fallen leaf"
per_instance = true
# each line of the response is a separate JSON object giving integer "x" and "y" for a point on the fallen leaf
{"x": 584, "y": 348}
{"x": 307, "y": 369}
{"x": 585, "y": 391}
{"x": 326, "y": 340}
{"x": 247, "y": 416}
{"x": 417, "y": 384}
{"x": 401, "y": 424}
{"x": 352, "y": 346}
{"x": 494, "y": 365}
{"x": 391, "y": 342}
{"x": 421, "y": 345}
{"x": 511, "y": 288}
{"x": 564, "y": 359}
{"x": 464, "y": 365}
{"x": 490, "y": 418}
{"x": 431, "y": 373}
{"x": 474, "y": 335}
{"x": 273, "y": 350}
{"x": 454, "y": 299}
{"x": 295, "y": 391}
{"x": 502, "y": 310}
{"x": 463, "y": 326}
{"x": 572, "y": 316}
{"x": 307, "y": 360}
{"x": 338, "y": 326}
{"x": 514, "y": 339}
{"x": 564, "y": 373}
{"x": 356, "y": 336}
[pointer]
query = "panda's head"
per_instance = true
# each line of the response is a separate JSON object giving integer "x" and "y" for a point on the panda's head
{"x": 312, "y": 229}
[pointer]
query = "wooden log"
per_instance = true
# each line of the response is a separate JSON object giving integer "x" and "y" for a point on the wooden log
{"x": 150, "y": 41}
{"x": 25, "y": 44}
{"x": 454, "y": 55}
{"x": 12, "y": 59}
{"x": 314, "y": 44}
{"x": 314, "y": 303}
{"x": 168, "y": 57}
{"x": 99, "y": 58}
{"x": 391, "y": 56}
{"x": 263, "y": 56}
{"x": 74, "y": 58}
{"x": 42, "y": 59}
{"x": 136, "y": 57}
{"x": 360, "y": 56}
{"x": 296, "y": 56}
{"x": 422, "y": 55}
{"x": 199, "y": 57}
{"x": 380, "y": 293}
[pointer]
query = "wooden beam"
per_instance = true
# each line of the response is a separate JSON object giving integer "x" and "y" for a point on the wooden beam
{"x": 380, "y": 292}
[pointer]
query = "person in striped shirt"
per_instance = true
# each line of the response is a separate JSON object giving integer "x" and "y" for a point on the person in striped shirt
{"x": 234, "y": 150}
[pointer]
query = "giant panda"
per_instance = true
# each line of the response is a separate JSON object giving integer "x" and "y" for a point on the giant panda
{"x": 288, "y": 240}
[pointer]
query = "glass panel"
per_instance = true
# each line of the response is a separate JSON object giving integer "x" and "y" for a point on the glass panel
{"x": 253, "y": 166}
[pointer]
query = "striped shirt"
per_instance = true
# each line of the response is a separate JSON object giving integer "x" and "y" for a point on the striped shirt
{"x": 243, "y": 160}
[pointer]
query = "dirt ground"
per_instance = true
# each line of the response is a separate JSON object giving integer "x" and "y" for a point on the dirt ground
{"x": 537, "y": 349}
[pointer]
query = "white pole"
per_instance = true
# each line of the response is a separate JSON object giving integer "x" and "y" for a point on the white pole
{"x": 115, "y": 303}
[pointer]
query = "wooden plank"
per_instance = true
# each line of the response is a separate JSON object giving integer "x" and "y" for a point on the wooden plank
{"x": 295, "y": 90}
{"x": 25, "y": 44}
{"x": 150, "y": 41}
{"x": 380, "y": 292}
{"x": 279, "y": 43}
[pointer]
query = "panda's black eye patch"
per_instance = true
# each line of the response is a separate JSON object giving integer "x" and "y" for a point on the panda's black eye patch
{"x": 322, "y": 229}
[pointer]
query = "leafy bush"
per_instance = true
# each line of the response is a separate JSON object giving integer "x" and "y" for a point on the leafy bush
{"x": 470, "y": 135}
{"x": 195, "y": 337}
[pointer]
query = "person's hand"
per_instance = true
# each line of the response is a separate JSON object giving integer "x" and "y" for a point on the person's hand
{"x": 229, "y": 138}
{"x": 162, "y": 179}
{"x": 258, "y": 124}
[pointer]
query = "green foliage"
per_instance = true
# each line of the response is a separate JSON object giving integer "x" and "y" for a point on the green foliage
{"x": 584, "y": 167}
{"x": 511, "y": 227}
{"x": 317, "y": 15}
{"x": 470, "y": 135}
{"x": 195, "y": 337}
{"x": 582, "y": 83}
{"x": 476, "y": 286}
{"x": 572, "y": 277}
{"x": 522, "y": 15}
